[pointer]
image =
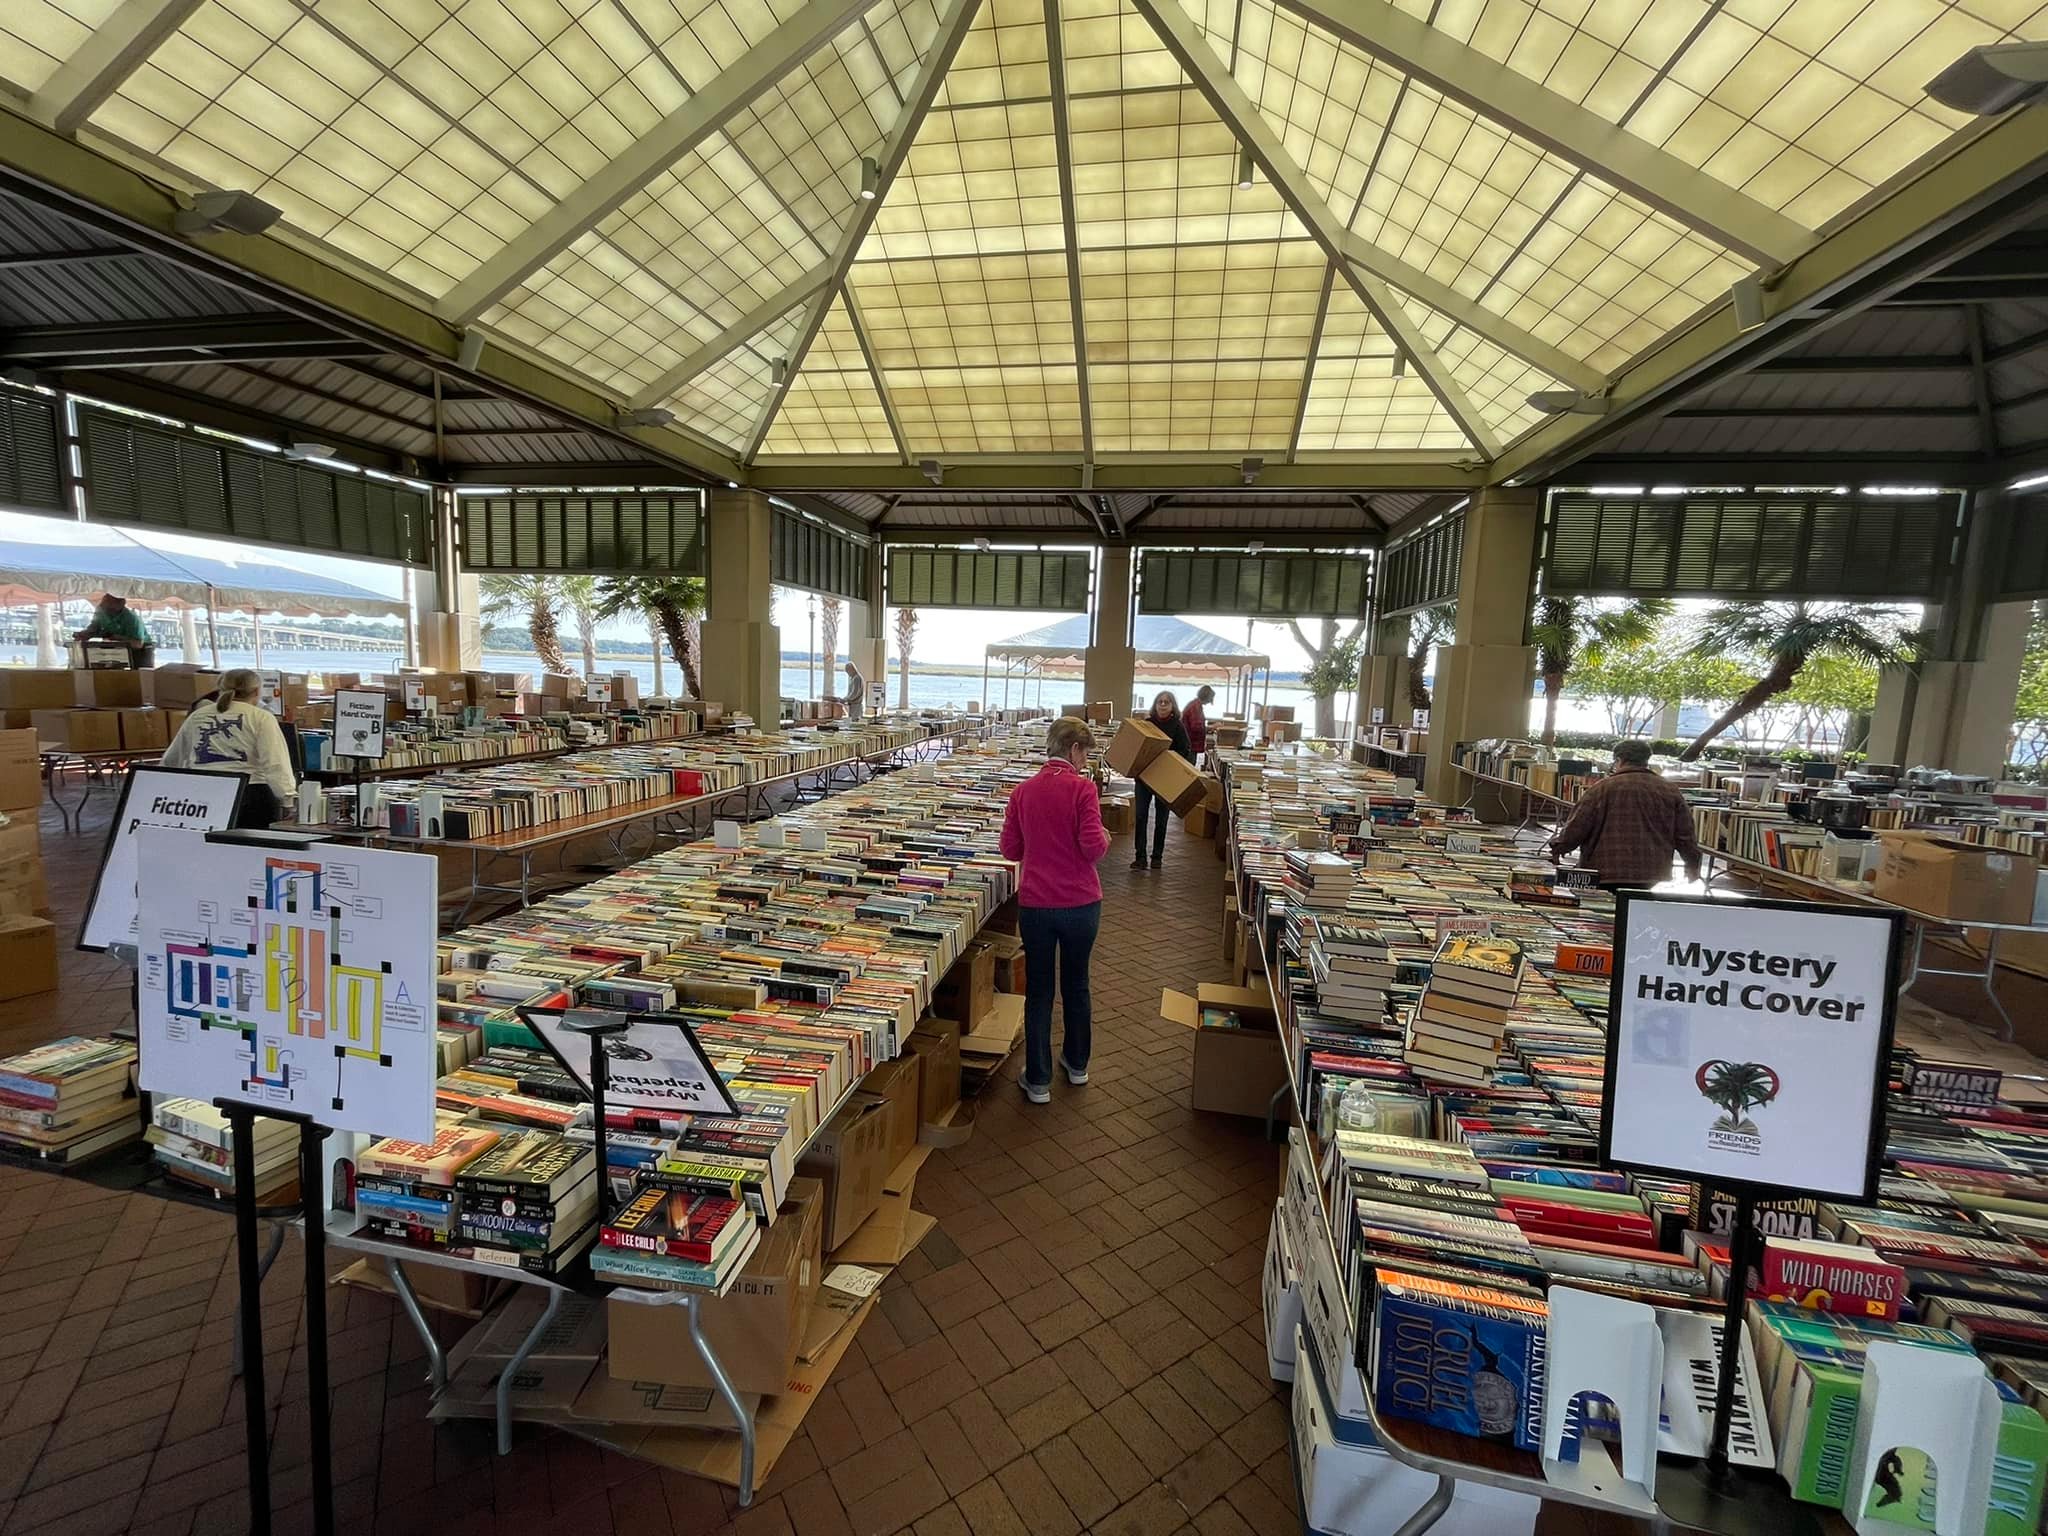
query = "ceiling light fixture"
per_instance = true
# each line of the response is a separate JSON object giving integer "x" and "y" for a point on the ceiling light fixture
{"x": 471, "y": 352}
{"x": 779, "y": 371}
{"x": 932, "y": 471}
{"x": 1400, "y": 365}
{"x": 1244, "y": 168}
{"x": 2029, "y": 483}
{"x": 1747, "y": 295}
{"x": 21, "y": 374}
{"x": 870, "y": 178}
{"x": 982, "y": 545}
{"x": 308, "y": 450}
{"x": 1570, "y": 402}
{"x": 238, "y": 213}
{"x": 1256, "y": 547}
{"x": 1992, "y": 79}
{"x": 1249, "y": 467}
{"x": 647, "y": 416}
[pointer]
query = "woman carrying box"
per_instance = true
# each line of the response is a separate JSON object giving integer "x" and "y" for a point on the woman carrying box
{"x": 1165, "y": 716}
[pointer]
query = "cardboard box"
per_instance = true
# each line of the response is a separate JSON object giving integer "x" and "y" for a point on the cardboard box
{"x": 79, "y": 730}
{"x": 37, "y": 688}
{"x": 899, "y": 1082}
{"x": 1237, "y": 1071}
{"x": 21, "y": 771}
{"x": 1212, "y": 793}
{"x": 937, "y": 1045}
{"x": 107, "y": 688}
{"x": 997, "y": 1035}
{"x": 969, "y": 988}
{"x": 1136, "y": 744}
{"x": 1174, "y": 779}
{"x": 143, "y": 730}
{"x": 1283, "y": 730}
{"x": 1119, "y": 815}
{"x": 1957, "y": 880}
{"x": 851, "y": 1158}
{"x": 28, "y": 956}
{"x": 1272, "y": 712}
{"x": 1201, "y": 822}
{"x": 1009, "y": 952}
{"x": 1099, "y": 713}
{"x": 755, "y": 1327}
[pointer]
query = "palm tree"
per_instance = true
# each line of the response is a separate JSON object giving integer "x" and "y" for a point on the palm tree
{"x": 1735, "y": 1085}
{"x": 906, "y": 631}
{"x": 1568, "y": 628}
{"x": 829, "y": 609}
{"x": 675, "y": 603}
{"x": 581, "y": 594}
{"x": 1788, "y": 635}
{"x": 537, "y": 596}
{"x": 1426, "y": 631}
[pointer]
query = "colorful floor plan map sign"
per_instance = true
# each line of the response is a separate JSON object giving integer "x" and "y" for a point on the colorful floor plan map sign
{"x": 294, "y": 979}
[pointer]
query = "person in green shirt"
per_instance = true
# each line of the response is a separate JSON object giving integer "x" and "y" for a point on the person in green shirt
{"x": 113, "y": 619}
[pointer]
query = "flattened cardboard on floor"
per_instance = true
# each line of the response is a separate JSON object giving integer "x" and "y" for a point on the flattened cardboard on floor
{"x": 888, "y": 1236}
{"x": 549, "y": 1379}
{"x": 605, "y": 1399}
{"x": 999, "y": 1031}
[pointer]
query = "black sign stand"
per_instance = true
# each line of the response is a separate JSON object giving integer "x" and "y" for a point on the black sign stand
{"x": 241, "y": 1119}
{"x": 598, "y": 1028}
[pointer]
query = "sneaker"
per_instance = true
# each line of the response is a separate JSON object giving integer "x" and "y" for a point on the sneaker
{"x": 1138, "y": 862}
{"x": 1074, "y": 1076}
{"x": 1035, "y": 1093}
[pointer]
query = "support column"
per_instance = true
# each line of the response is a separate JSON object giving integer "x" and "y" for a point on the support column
{"x": 866, "y": 646}
{"x": 1109, "y": 669}
{"x": 742, "y": 650}
{"x": 1383, "y": 675}
{"x": 1484, "y": 676}
{"x": 447, "y": 602}
{"x": 1953, "y": 708}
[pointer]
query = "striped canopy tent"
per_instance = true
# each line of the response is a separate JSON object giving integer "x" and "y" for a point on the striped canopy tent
{"x": 1168, "y": 649}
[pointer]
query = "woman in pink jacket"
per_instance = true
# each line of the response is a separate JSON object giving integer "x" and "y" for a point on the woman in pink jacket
{"x": 1053, "y": 826}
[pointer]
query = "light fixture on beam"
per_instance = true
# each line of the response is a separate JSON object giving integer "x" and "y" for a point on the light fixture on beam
{"x": 234, "y": 213}
{"x": 982, "y": 545}
{"x": 20, "y": 374}
{"x": 647, "y": 416}
{"x": 1570, "y": 402}
{"x": 1250, "y": 466}
{"x": 1746, "y": 294}
{"x": 1256, "y": 547}
{"x": 1400, "y": 364}
{"x": 471, "y": 352}
{"x": 932, "y": 471}
{"x": 779, "y": 370}
{"x": 308, "y": 450}
{"x": 1993, "y": 79}
{"x": 870, "y": 179}
{"x": 1244, "y": 168}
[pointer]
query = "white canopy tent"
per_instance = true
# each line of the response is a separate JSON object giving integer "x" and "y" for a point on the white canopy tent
{"x": 1166, "y": 646}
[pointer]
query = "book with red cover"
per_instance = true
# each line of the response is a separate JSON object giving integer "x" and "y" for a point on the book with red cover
{"x": 673, "y": 1222}
{"x": 1832, "y": 1277}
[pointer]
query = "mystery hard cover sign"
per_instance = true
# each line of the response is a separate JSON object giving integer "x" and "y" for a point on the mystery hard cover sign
{"x": 1749, "y": 1042}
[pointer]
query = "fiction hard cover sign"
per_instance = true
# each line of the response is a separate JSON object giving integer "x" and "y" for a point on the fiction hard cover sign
{"x": 1749, "y": 1042}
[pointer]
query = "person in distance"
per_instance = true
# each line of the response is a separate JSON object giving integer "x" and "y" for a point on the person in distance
{"x": 1196, "y": 718}
{"x": 1165, "y": 715}
{"x": 1628, "y": 825}
{"x": 232, "y": 733}
{"x": 1053, "y": 827}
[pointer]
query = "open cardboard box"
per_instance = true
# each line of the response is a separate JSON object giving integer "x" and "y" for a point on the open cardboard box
{"x": 887, "y": 1237}
{"x": 1237, "y": 1071}
{"x": 998, "y": 1033}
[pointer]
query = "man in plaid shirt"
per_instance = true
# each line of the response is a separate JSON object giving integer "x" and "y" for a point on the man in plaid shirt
{"x": 1629, "y": 824}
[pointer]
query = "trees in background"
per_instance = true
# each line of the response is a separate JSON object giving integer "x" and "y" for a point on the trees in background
{"x": 906, "y": 632}
{"x": 581, "y": 595}
{"x": 829, "y": 610}
{"x": 1567, "y": 630}
{"x": 675, "y": 603}
{"x": 1829, "y": 691}
{"x": 537, "y": 597}
{"x": 1426, "y": 631}
{"x": 1333, "y": 667}
{"x": 1785, "y": 637}
{"x": 2029, "y": 747}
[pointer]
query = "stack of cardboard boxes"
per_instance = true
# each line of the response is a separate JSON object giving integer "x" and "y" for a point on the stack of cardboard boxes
{"x": 1139, "y": 751}
{"x": 100, "y": 710}
{"x": 28, "y": 941}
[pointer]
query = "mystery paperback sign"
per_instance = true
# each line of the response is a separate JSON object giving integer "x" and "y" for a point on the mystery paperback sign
{"x": 1750, "y": 1042}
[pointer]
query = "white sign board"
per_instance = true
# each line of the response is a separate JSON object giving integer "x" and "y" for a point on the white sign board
{"x": 270, "y": 691}
{"x": 878, "y": 698}
{"x": 653, "y": 1063}
{"x": 296, "y": 979}
{"x": 153, "y": 797}
{"x": 598, "y": 690}
{"x": 1750, "y": 1042}
{"x": 359, "y": 723}
{"x": 415, "y": 692}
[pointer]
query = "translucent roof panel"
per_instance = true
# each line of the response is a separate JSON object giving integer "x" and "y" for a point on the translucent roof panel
{"x": 987, "y": 410}
{"x": 725, "y": 401}
{"x": 1356, "y": 400}
{"x": 1496, "y": 382}
{"x": 38, "y": 36}
{"x": 1803, "y": 104}
{"x": 832, "y": 405}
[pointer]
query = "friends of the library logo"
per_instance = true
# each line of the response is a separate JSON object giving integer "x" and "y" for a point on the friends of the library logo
{"x": 1735, "y": 1086}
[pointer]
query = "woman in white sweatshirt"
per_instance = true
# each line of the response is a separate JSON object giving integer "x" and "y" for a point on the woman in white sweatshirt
{"x": 232, "y": 733}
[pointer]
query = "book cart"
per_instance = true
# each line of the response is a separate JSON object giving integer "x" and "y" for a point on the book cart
{"x": 1452, "y": 1459}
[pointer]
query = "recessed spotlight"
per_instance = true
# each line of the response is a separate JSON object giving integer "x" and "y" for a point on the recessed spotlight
{"x": 1400, "y": 365}
{"x": 1747, "y": 295}
{"x": 237, "y": 213}
{"x": 1992, "y": 79}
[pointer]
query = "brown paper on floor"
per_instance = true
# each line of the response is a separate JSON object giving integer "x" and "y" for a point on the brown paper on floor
{"x": 887, "y": 1237}
{"x": 999, "y": 1030}
{"x": 607, "y": 1400}
{"x": 830, "y": 1313}
{"x": 951, "y": 1129}
{"x": 715, "y": 1454}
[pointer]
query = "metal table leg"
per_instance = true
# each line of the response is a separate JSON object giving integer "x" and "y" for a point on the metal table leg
{"x": 1432, "y": 1508}
{"x": 1273, "y": 1108}
{"x": 270, "y": 1253}
{"x": 526, "y": 1347}
{"x": 744, "y": 1419}
{"x": 437, "y": 1358}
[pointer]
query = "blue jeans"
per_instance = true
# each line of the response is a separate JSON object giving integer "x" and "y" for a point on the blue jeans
{"x": 1148, "y": 802}
{"x": 1067, "y": 933}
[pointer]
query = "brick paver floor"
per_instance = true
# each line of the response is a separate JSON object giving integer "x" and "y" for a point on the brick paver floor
{"x": 1076, "y": 1346}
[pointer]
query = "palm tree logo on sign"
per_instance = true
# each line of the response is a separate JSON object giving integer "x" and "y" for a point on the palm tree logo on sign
{"x": 1735, "y": 1086}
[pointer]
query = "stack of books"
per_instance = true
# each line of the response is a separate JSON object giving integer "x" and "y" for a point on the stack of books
{"x": 1319, "y": 880}
{"x": 405, "y": 1190}
{"x": 70, "y": 1099}
{"x": 195, "y": 1145}
{"x": 529, "y": 1203}
{"x": 668, "y": 1238}
{"x": 1456, "y": 1030}
{"x": 1353, "y": 970}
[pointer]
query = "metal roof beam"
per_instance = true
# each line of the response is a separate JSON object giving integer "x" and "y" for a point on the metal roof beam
{"x": 111, "y": 52}
{"x": 1817, "y": 412}
{"x": 1846, "y": 366}
{"x": 138, "y": 392}
{"x": 1056, "y": 69}
{"x": 953, "y": 24}
{"x": 1988, "y": 184}
{"x": 1502, "y": 95}
{"x": 1176, "y": 30}
{"x": 751, "y": 323}
{"x": 1938, "y": 290}
{"x": 329, "y": 397}
{"x": 1381, "y": 472}
{"x": 867, "y": 352}
{"x": 2018, "y": 347}
{"x": 812, "y": 27}
{"x": 107, "y": 345}
{"x": 16, "y": 261}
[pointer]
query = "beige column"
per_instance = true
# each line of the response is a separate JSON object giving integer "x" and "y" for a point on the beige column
{"x": 1484, "y": 676}
{"x": 446, "y": 600}
{"x": 1383, "y": 676}
{"x": 865, "y": 641}
{"x": 742, "y": 663}
{"x": 1109, "y": 668}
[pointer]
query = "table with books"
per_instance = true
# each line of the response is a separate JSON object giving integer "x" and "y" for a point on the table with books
{"x": 1446, "y": 1167}
{"x": 1531, "y": 798}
